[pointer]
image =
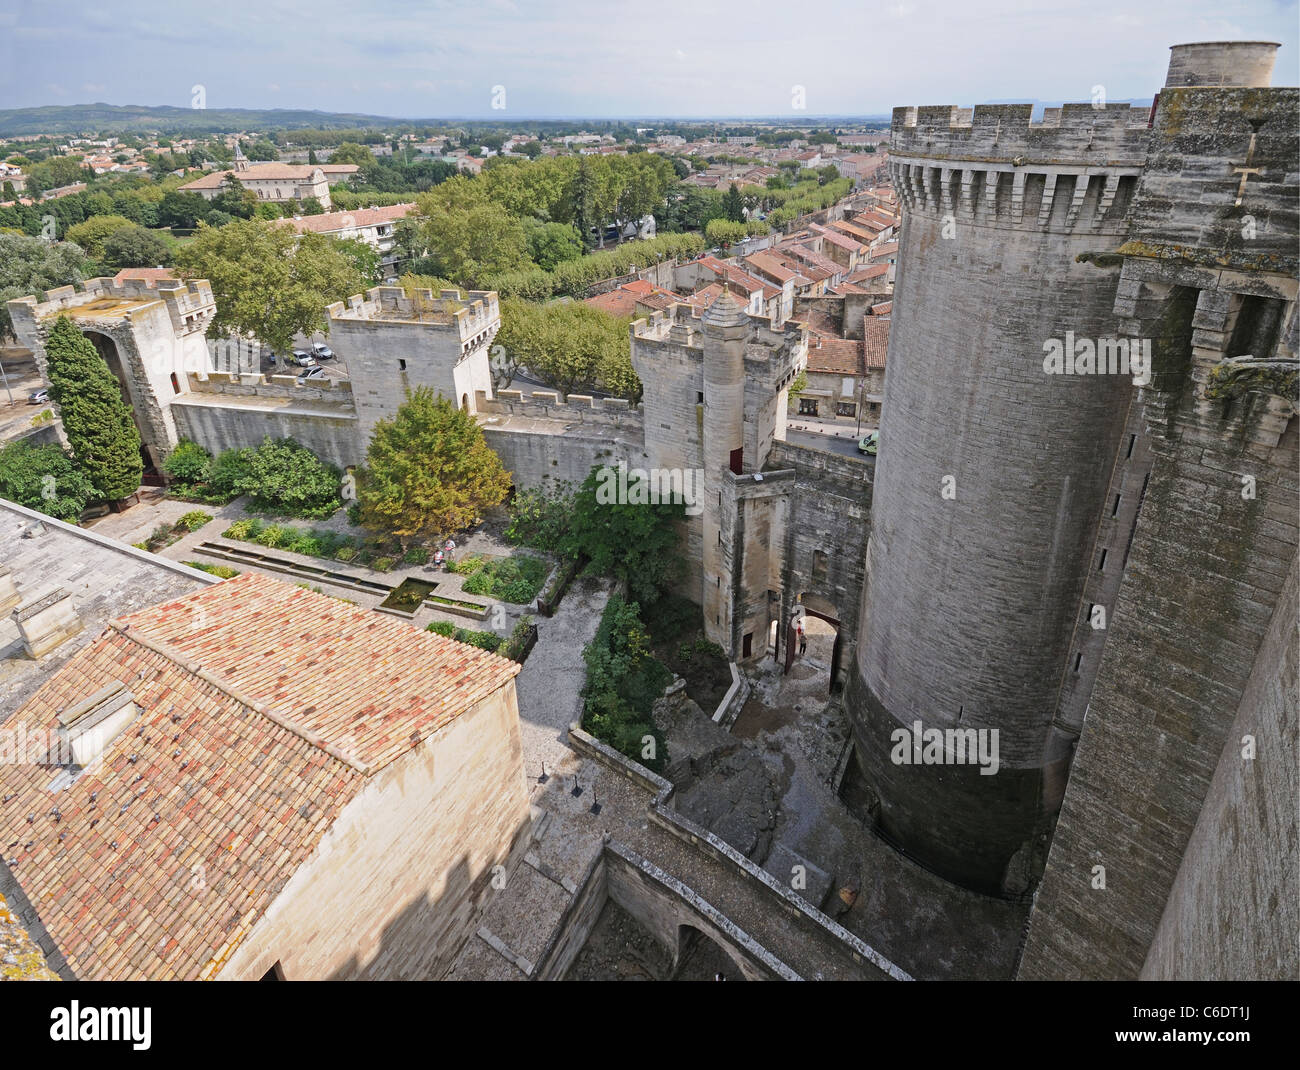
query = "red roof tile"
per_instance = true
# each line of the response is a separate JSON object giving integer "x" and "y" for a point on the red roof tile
{"x": 263, "y": 709}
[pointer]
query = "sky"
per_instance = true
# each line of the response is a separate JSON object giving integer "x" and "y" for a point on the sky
{"x": 599, "y": 58}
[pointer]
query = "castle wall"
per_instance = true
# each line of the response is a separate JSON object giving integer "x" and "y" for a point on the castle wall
{"x": 216, "y": 426}
{"x": 1234, "y": 910}
{"x": 396, "y": 343}
{"x": 827, "y": 524}
{"x": 972, "y": 597}
{"x": 1206, "y": 575}
{"x": 150, "y": 337}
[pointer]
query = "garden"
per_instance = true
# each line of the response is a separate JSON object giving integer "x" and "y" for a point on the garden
{"x": 166, "y": 534}
{"x": 516, "y": 579}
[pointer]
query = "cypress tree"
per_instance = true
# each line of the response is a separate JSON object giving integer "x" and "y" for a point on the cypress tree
{"x": 98, "y": 423}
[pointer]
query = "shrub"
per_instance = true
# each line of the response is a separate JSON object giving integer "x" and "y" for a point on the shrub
{"x": 354, "y": 514}
{"x": 416, "y": 555}
{"x": 194, "y": 519}
{"x": 512, "y": 579}
{"x": 272, "y": 536}
{"x": 285, "y": 478}
{"x": 685, "y": 651}
{"x": 228, "y": 471}
{"x": 623, "y": 681}
{"x": 188, "y": 462}
{"x": 540, "y": 520}
{"x": 345, "y": 553}
{"x": 382, "y": 564}
{"x": 225, "y": 572}
{"x": 244, "y": 530}
{"x": 513, "y": 648}
{"x": 443, "y": 627}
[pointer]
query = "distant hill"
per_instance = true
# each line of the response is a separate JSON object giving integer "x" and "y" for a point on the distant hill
{"x": 138, "y": 118}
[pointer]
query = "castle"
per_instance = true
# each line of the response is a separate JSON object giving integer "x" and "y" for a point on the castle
{"x": 1094, "y": 564}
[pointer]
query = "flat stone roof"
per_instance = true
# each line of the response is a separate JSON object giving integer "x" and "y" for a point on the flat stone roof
{"x": 105, "y": 579}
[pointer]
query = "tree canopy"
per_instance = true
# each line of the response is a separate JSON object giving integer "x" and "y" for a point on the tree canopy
{"x": 570, "y": 345}
{"x": 268, "y": 282}
{"x": 29, "y": 266}
{"x": 98, "y": 423}
{"x": 428, "y": 470}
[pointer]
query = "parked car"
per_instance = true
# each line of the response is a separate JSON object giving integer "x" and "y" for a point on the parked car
{"x": 302, "y": 358}
{"x": 38, "y": 397}
{"x": 321, "y": 351}
{"x": 314, "y": 372}
{"x": 869, "y": 442}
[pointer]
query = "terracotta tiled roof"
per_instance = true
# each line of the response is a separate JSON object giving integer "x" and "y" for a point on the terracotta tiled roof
{"x": 888, "y": 249}
{"x": 768, "y": 265}
{"x": 876, "y": 340}
{"x": 328, "y": 222}
{"x": 818, "y": 323}
{"x": 875, "y": 271}
{"x": 145, "y": 275}
{"x": 882, "y": 309}
{"x": 835, "y": 356}
{"x": 264, "y": 707}
{"x": 840, "y": 240}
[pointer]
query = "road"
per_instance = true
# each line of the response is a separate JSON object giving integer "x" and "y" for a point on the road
{"x": 830, "y": 443}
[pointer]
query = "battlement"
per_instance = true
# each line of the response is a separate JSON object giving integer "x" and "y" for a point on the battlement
{"x": 546, "y": 405}
{"x": 1075, "y": 134}
{"x": 189, "y": 304}
{"x": 475, "y": 314}
{"x": 683, "y": 324}
{"x": 254, "y": 384}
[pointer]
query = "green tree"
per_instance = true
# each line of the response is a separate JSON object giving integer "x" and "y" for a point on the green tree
{"x": 266, "y": 283}
{"x": 134, "y": 246}
{"x": 552, "y": 243}
{"x": 234, "y": 199}
{"x": 734, "y": 204}
{"x": 44, "y": 478}
{"x": 286, "y": 478}
{"x": 29, "y": 266}
{"x": 570, "y": 346}
{"x": 92, "y": 233}
{"x": 428, "y": 470}
{"x": 182, "y": 209}
{"x": 311, "y": 157}
{"x": 351, "y": 152}
{"x": 98, "y": 423}
{"x": 724, "y": 231}
{"x": 632, "y": 541}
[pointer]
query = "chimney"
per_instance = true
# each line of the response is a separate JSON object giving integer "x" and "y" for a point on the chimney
{"x": 88, "y": 727}
{"x": 46, "y": 622}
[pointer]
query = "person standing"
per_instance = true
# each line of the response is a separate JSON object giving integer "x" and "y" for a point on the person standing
{"x": 803, "y": 637}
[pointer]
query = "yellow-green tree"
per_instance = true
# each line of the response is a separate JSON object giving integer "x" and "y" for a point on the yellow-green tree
{"x": 428, "y": 470}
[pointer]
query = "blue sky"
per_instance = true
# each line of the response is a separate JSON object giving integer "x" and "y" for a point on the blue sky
{"x": 429, "y": 58}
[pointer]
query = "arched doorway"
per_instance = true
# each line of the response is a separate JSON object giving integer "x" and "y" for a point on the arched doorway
{"x": 150, "y": 451}
{"x": 821, "y": 642}
{"x": 701, "y": 958}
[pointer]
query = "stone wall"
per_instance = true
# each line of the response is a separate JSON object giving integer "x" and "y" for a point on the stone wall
{"x": 828, "y": 522}
{"x": 540, "y": 456}
{"x": 1234, "y": 910}
{"x": 332, "y": 434}
{"x": 394, "y": 888}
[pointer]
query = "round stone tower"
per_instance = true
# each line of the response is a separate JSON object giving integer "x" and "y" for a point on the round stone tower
{"x": 723, "y": 435}
{"x": 991, "y": 473}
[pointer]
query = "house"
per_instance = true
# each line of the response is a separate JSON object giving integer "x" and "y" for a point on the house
{"x": 624, "y": 300}
{"x": 375, "y": 226}
{"x": 277, "y": 182}
{"x": 252, "y": 781}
